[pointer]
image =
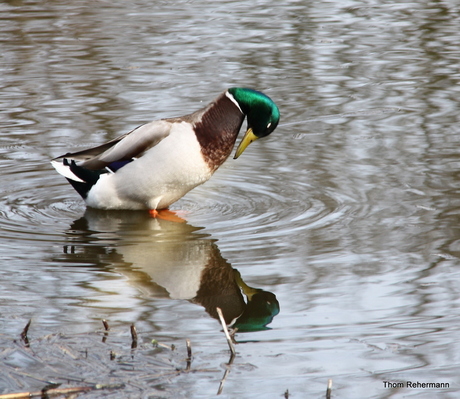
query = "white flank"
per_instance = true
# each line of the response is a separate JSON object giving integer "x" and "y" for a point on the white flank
{"x": 65, "y": 171}
{"x": 165, "y": 173}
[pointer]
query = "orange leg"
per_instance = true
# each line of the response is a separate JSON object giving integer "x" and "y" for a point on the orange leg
{"x": 166, "y": 214}
{"x": 153, "y": 213}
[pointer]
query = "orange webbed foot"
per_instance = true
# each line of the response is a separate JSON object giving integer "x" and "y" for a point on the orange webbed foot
{"x": 166, "y": 214}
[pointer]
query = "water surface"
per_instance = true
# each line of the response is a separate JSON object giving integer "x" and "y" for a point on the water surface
{"x": 346, "y": 217}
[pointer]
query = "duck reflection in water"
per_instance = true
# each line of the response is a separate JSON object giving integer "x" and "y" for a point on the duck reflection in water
{"x": 163, "y": 258}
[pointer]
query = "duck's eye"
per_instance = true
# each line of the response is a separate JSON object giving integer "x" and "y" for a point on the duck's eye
{"x": 269, "y": 124}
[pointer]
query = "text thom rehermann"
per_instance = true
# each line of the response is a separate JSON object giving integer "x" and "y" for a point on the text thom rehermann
{"x": 415, "y": 384}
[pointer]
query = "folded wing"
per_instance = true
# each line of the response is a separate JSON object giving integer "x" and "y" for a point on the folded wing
{"x": 121, "y": 150}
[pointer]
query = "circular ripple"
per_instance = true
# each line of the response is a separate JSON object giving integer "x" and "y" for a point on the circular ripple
{"x": 32, "y": 205}
{"x": 245, "y": 206}
{"x": 237, "y": 205}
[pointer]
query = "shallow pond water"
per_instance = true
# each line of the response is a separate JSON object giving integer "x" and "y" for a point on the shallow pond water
{"x": 346, "y": 219}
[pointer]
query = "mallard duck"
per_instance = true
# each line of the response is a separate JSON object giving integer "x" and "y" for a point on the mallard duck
{"x": 159, "y": 162}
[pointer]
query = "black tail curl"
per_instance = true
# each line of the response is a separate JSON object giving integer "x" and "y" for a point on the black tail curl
{"x": 89, "y": 177}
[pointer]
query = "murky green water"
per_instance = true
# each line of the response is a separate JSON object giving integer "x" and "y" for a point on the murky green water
{"x": 348, "y": 221}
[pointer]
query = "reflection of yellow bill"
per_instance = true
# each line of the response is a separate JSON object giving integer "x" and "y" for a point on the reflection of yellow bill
{"x": 248, "y": 138}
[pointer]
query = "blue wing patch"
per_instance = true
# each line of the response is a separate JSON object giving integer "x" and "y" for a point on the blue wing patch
{"x": 114, "y": 166}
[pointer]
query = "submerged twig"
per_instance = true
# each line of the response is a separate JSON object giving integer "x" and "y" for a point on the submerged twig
{"x": 227, "y": 334}
{"x": 189, "y": 354}
{"x": 106, "y": 328}
{"x": 24, "y": 333}
{"x": 133, "y": 337}
{"x": 222, "y": 381}
{"x": 230, "y": 345}
{"x": 189, "y": 348}
{"x": 105, "y": 324}
{"x": 59, "y": 391}
{"x": 329, "y": 389}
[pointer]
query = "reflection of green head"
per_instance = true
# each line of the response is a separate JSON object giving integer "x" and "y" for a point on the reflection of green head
{"x": 262, "y": 306}
{"x": 260, "y": 311}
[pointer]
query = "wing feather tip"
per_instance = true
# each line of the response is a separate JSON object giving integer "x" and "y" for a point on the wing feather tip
{"x": 65, "y": 171}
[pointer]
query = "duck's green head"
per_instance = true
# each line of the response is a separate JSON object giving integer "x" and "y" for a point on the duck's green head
{"x": 262, "y": 113}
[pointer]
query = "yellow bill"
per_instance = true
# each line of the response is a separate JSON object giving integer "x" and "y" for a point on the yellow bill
{"x": 248, "y": 138}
